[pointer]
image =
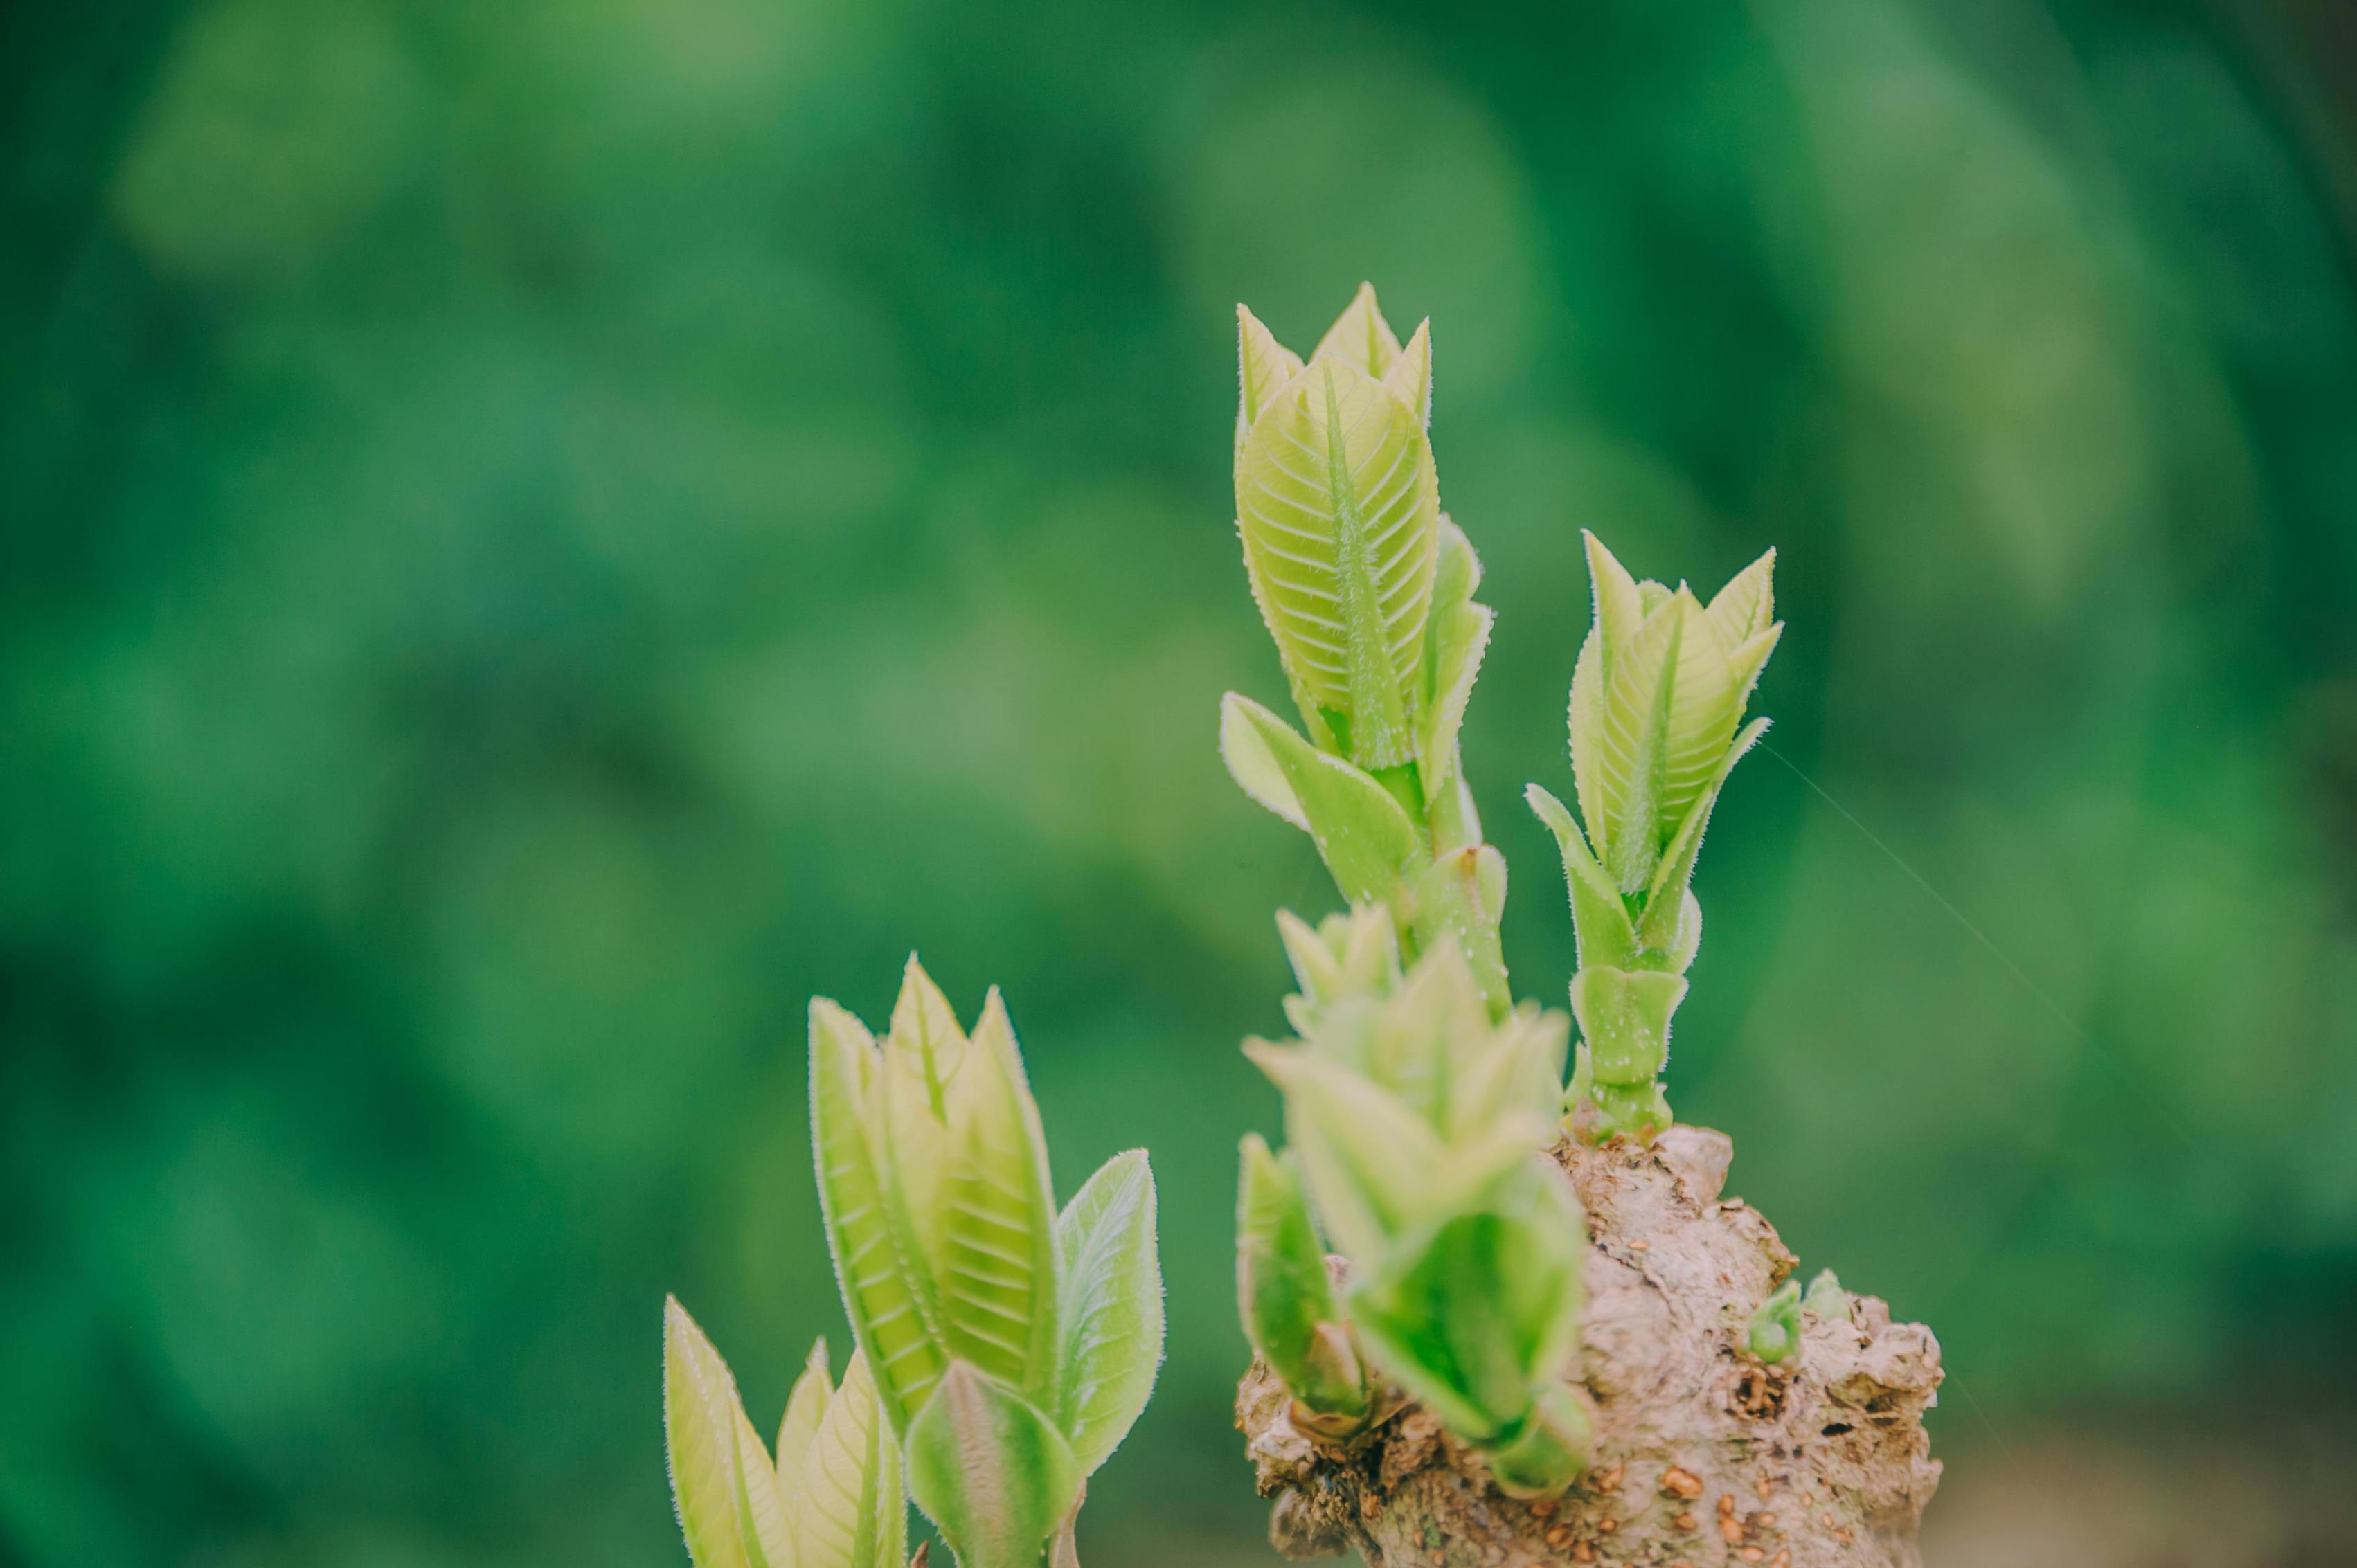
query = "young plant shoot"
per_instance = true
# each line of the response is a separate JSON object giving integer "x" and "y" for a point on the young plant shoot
{"x": 1560, "y": 1313}
{"x": 1656, "y": 697}
{"x": 1005, "y": 1348}
{"x": 1487, "y": 1308}
{"x": 1014, "y": 1345}
{"x": 830, "y": 1498}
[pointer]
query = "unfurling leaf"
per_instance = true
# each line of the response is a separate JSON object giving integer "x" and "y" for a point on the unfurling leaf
{"x": 1669, "y": 889}
{"x": 1369, "y": 1158}
{"x": 990, "y": 1470}
{"x": 1640, "y": 685}
{"x": 1474, "y": 1318}
{"x": 805, "y": 1408}
{"x": 1263, "y": 365}
{"x": 1253, "y": 762}
{"x": 701, "y": 1412}
{"x": 1285, "y": 1292}
{"x": 1345, "y": 957}
{"x": 1110, "y": 1307}
{"x": 851, "y": 1513}
{"x": 1459, "y": 634}
{"x": 879, "y": 1294}
{"x": 1744, "y": 607}
{"x": 1774, "y": 1334}
{"x": 1825, "y": 1297}
{"x": 1600, "y": 917}
{"x": 1337, "y": 505}
{"x": 760, "y": 1516}
{"x": 967, "y": 1188}
{"x": 1409, "y": 377}
{"x": 1457, "y": 901}
{"x": 1361, "y": 829}
{"x": 1359, "y": 337}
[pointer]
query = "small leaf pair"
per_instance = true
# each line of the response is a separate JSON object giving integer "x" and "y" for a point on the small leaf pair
{"x": 831, "y": 1498}
{"x": 1773, "y": 1333}
{"x": 1016, "y": 1346}
{"x": 1656, "y": 697}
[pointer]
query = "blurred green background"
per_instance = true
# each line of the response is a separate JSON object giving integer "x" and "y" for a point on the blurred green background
{"x": 541, "y": 534}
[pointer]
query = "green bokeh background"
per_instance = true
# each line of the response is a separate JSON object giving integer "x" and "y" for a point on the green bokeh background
{"x": 540, "y": 534}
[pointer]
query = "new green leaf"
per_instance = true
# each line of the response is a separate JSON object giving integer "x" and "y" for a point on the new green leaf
{"x": 871, "y": 1264}
{"x": 1337, "y": 505}
{"x": 992, "y": 1472}
{"x": 1111, "y": 1306}
{"x": 850, "y": 1511}
{"x": 1361, "y": 829}
{"x": 700, "y": 1415}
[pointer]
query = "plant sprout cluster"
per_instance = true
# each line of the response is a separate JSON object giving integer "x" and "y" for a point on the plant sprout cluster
{"x": 1419, "y": 1099}
{"x": 1005, "y": 1348}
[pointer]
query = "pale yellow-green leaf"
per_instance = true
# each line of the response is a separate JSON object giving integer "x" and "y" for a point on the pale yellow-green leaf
{"x": 760, "y": 1515}
{"x": 1369, "y": 1158}
{"x": 1751, "y": 657}
{"x": 1665, "y": 902}
{"x": 852, "y": 1514}
{"x": 1363, "y": 835}
{"x": 1587, "y": 764}
{"x": 1352, "y": 954}
{"x": 925, "y": 1030}
{"x": 700, "y": 1415}
{"x": 1409, "y": 377}
{"x": 879, "y": 1290}
{"x": 1110, "y": 1310}
{"x": 1338, "y": 504}
{"x": 1359, "y": 337}
{"x": 1517, "y": 1068}
{"x": 1490, "y": 880}
{"x": 990, "y": 1239}
{"x": 1263, "y": 365}
{"x": 1742, "y": 609}
{"x": 924, "y": 1084}
{"x": 1457, "y": 901}
{"x": 804, "y": 1407}
{"x": 1254, "y": 766}
{"x": 1411, "y": 1048}
{"x": 1316, "y": 967}
{"x": 991, "y": 1471}
{"x": 1459, "y": 634}
{"x": 1706, "y": 702}
{"x": 1619, "y": 604}
{"x": 1639, "y": 686}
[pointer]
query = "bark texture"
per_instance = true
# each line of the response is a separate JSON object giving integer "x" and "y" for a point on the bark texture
{"x": 1704, "y": 1455}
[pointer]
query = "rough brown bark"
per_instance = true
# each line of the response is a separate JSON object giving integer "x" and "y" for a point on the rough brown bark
{"x": 1703, "y": 1455}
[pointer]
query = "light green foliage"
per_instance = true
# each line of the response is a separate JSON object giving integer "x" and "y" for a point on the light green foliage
{"x": 1775, "y": 1332}
{"x": 1338, "y": 507}
{"x": 990, "y": 1470}
{"x": 831, "y": 1498}
{"x": 1287, "y": 1295}
{"x": 1657, "y": 698}
{"x": 1017, "y": 1345}
{"x": 1825, "y": 1297}
{"x": 1366, "y": 588}
{"x": 1418, "y": 1126}
{"x": 1110, "y": 1307}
